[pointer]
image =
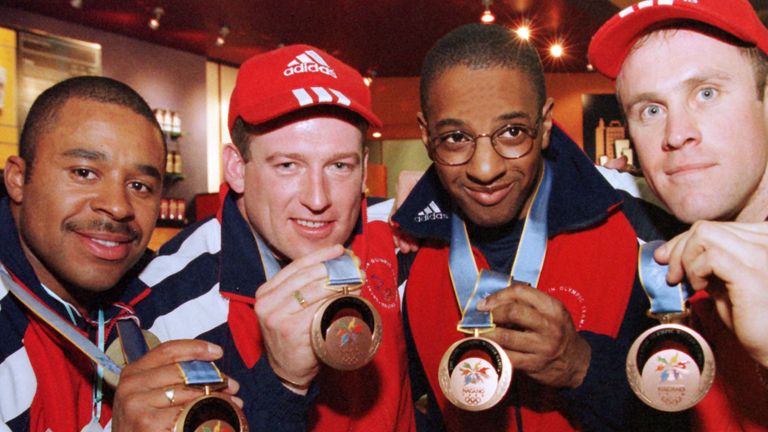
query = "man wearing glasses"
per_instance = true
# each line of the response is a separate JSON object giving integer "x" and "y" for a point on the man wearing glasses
{"x": 505, "y": 178}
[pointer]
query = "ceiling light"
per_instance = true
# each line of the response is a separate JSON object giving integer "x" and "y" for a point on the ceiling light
{"x": 77, "y": 4}
{"x": 590, "y": 68}
{"x": 523, "y": 32}
{"x": 487, "y": 16}
{"x": 154, "y": 22}
{"x": 556, "y": 50}
{"x": 376, "y": 134}
{"x": 367, "y": 81}
{"x": 221, "y": 39}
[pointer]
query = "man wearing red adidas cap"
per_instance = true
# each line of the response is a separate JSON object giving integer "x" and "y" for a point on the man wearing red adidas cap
{"x": 691, "y": 77}
{"x": 295, "y": 179}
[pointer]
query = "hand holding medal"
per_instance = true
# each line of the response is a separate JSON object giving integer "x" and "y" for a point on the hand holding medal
{"x": 346, "y": 330}
{"x": 306, "y": 313}
{"x": 166, "y": 387}
{"x": 670, "y": 366}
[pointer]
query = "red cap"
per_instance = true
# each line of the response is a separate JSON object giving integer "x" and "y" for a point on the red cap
{"x": 614, "y": 40}
{"x": 278, "y": 82}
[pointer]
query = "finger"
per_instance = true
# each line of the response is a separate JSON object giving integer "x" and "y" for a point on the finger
{"x": 724, "y": 250}
{"x": 514, "y": 340}
{"x": 519, "y": 315}
{"x": 514, "y": 292}
{"x": 519, "y": 292}
{"x": 304, "y": 291}
{"x": 172, "y": 396}
{"x": 309, "y": 260}
{"x": 178, "y": 350}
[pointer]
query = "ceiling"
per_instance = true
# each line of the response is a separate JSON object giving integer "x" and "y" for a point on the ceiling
{"x": 379, "y": 37}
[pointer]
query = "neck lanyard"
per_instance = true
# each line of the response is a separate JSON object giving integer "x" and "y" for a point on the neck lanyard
{"x": 470, "y": 286}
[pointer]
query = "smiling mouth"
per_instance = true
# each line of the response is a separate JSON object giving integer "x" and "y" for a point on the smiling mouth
{"x": 689, "y": 168}
{"x": 488, "y": 196}
{"x": 310, "y": 224}
{"x": 106, "y": 243}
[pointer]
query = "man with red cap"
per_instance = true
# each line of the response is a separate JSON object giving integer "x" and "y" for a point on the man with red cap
{"x": 690, "y": 76}
{"x": 295, "y": 181}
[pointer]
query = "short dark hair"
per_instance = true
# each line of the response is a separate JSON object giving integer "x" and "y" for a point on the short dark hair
{"x": 42, "y": 114}
{"x": 481, "y": 46}
{"x": 242, "y": 132}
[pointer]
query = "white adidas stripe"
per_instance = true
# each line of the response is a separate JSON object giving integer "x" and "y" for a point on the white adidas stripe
{"x": 315, "y": 56}
{"x": 304, "y": 98}
{"x": 343, "y": 100}
{"x": 322, "y": 95}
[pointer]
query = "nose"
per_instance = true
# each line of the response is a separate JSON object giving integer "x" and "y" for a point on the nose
{"x": 113, "y": 199}
{"x": 486, "y": 165}
{"x": 315, "y": 192}
{"x": 681, "y": 129}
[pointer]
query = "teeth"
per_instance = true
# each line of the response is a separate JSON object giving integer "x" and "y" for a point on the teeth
{"x": 309, "y": 224}
{"x": 106, "y": 243}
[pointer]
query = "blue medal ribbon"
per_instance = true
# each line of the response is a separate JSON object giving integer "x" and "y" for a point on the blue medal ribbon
{"x": 664, "y": 298}
{"x": 195, "y": 372}
{"x": 342, "y": 270}
{"x": 471, "y": 286}
{"x": 62, "y": 327}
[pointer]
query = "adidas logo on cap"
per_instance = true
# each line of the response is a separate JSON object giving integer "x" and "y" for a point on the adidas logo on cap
{"x": 308, "y": 61}
{"x": 430, "y": 212}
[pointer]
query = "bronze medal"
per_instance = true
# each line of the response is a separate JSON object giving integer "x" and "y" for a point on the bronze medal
{"x": 210, "y": 413}
{"x": 475, "y": 373}
{"x": 670, "y": 367}
{"x": 346, "y": 332}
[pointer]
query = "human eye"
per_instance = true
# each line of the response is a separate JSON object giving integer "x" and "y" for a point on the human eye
{"x": 285, "y": 166}
{"x": 454, "y": 139}
{"x": 513, "y": 131}
{"x": 83, "y": 173}
{"x": 141, "y": 187}
{"x": 706, "y": 93}
{"x": 650, "y": 111}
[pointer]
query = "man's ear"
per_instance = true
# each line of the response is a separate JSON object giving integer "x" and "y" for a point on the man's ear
{"x": 14, "y": 175}
{"x": 364, "y": 186}
{"x": 234, "y": 168}
{"x": 546, "y": 122}
{"x": 424, "y": 129}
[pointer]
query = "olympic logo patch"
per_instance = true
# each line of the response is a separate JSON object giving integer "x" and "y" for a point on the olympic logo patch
{"x": 381, "y": 282}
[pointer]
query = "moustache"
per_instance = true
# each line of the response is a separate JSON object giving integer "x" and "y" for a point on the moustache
{"x": 102, "y": 226}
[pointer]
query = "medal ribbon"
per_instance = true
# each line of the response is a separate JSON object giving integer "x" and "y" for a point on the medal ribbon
{"x": 62, "y": 327}
{"x": 195, "y": 372}
{"x": 664, "y": 298}
{"x": 342, "y": 270}
{"x": 470, "y": 286}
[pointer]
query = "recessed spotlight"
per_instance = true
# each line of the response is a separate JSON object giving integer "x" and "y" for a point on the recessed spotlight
{"x": 487, "y": 17}
{"x": 523, "y": 32}
{"x": 556, "y": 50}
{"x": 154, "y": 22}
{"x": 221, "y": 39}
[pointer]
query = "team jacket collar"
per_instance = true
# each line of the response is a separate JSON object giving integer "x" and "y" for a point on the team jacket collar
{"x": 240, "y": 269}
{"x": 580, "y": 197}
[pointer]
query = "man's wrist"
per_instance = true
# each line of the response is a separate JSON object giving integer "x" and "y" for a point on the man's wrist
{"x": 294, "y": 386}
